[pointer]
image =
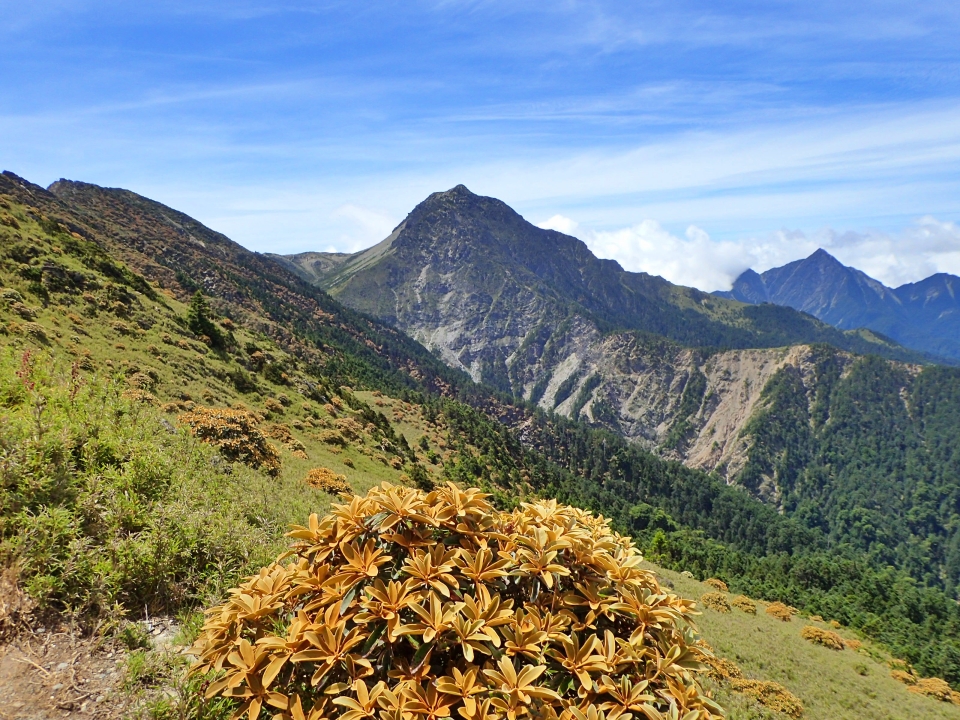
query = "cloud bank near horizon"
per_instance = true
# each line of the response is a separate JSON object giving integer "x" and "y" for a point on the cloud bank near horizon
{"x": 926, "y": 247}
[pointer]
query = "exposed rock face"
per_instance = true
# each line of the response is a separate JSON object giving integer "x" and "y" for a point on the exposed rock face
{"x": 692, "y": 406}
{"x": 536, "y": 314}
{"x": 924, "y": 316}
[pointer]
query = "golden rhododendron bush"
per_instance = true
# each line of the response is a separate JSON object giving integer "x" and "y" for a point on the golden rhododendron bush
{"x": 404, "y": 605}
{"x": 234, "y": 431}
{"x": 327, "y": 480}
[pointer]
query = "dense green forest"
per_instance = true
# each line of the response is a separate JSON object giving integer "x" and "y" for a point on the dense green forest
{"x": 871, "y": 460}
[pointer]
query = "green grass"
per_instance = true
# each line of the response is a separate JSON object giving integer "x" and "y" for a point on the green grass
{"x": 106, "y": 504}
{"x": 833, "y": 685}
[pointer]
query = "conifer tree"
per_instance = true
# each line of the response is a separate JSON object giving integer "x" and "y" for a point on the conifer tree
{"x": 199, "y": 322}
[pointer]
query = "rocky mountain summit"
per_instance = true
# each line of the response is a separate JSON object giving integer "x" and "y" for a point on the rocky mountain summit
{"x": 536, "y": 314}
{"x": 924, "y": 315}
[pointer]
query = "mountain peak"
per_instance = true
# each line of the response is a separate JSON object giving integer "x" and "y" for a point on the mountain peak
{"x": 924, "y": 315}
{"x": 749, "y": 287}
{"x": 821, "y": 256}
{"x": 458, "y": 194}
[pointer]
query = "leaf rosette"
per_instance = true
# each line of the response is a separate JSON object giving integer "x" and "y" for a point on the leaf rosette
{"x": 406, "y": 605}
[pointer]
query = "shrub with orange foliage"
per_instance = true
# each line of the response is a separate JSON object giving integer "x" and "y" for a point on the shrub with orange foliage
{"x": 779, "y": 611}
{"x": 715, "y": 601}
{"x": 721, "y": 669}
{"x": 331, "y": 437}
{"x": 742, "y": 602}
{"x": 139, "y": 396}
{"x": 349, "y": 428}
{"x": 932, "y": 687}
{"x": 405, "y": 604}
{"x": 903, "y": 676}
{"x": 770, "y": 694}
{"x": 273, "y": 405}
{"x": 717, "y": 584}
{"x": 283, "y": 433}
{"x": 327, "y": 480}
{"x": 236, "y": 435}
{"x": 822, "y": 637}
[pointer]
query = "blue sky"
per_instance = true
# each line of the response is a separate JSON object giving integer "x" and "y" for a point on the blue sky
{"x": 689, "y": 139}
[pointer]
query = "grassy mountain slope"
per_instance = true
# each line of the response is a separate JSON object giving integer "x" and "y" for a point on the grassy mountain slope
{"x": 831, "y": 684}
{"x": 81, "y": 549}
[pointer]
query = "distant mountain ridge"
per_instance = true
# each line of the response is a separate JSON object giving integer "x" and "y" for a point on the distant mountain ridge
{"x": 534, "y": 313}
{"x": 458, "y": 253}
{"x": 924, "y": 316}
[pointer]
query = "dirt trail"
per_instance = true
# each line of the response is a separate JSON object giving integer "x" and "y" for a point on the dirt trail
{"x": 59, "y": 674}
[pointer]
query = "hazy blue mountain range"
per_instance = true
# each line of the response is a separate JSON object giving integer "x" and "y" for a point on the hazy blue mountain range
{"x": 924, "y": 315}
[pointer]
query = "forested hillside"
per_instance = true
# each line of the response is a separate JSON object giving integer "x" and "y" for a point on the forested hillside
{"x": 118, "y": 275}
{"x": 870, "y": 457}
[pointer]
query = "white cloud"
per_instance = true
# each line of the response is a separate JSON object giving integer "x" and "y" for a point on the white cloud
{"x": 928, "y": 246}
{"x": 560, "y": 224}
{"x": 369, "y": 227}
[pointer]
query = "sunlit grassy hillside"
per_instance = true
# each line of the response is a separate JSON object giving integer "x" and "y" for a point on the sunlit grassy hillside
{"x": 832, "y": 684}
